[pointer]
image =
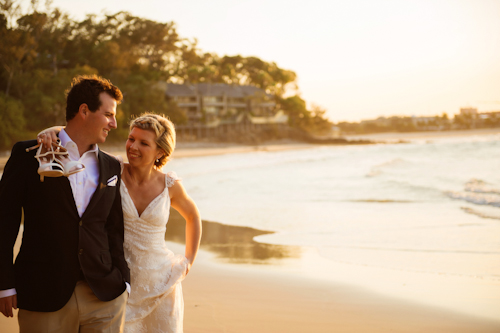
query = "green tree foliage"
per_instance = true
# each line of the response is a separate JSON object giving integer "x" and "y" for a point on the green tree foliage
{"x": 312, "y": 121}
{"x": 42, "y": 49}
{"x": 11, "y": 120}
{"x": 206, "y": 67}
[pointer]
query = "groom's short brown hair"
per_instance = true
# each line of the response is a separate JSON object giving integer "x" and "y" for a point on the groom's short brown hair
{"x": 85, "y": 89}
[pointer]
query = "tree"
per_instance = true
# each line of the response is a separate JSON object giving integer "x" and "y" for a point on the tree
{"x": 311, "y": 121}
{"x": 11, "y": 120}
{"x": 43, "y": 49}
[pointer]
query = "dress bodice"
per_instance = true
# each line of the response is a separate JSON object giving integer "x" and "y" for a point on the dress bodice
{"x": 147, "y": 229}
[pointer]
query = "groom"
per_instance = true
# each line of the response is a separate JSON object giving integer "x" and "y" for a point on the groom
{"x": 70, "y": 274}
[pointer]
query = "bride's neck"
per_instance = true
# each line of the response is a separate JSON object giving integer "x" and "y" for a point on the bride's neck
{"x": 140, "y": 174}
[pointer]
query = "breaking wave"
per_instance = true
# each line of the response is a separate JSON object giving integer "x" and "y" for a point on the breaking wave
{"x": 475, "y": 198}
{"x": 480, "y": 186}
{"x": 377, "y": 169}
{"x": 477, "y": 213}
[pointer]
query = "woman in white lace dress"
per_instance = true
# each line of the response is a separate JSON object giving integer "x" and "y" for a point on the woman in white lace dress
{"x": 155, "y": 303}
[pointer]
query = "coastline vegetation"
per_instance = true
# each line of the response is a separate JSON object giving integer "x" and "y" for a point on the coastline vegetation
{"x": 42, "y": 49}
{"x": 417, "y": 124}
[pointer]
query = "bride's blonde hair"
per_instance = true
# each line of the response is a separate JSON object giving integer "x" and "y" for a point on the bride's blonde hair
{"x": 164, "y": 131}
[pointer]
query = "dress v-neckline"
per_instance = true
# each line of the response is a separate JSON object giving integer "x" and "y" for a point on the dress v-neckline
{"x": 149, "y": 204}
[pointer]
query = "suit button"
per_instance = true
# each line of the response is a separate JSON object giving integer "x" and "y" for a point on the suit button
{"x": 80, "y": 223}
{"x": 81, "y": 251}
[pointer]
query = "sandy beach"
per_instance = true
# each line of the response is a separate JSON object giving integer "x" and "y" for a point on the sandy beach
{"x": 219, "y": 298}
{"x": 224, "y": 297}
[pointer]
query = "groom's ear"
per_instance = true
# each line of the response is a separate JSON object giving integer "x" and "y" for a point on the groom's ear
{"x": 83, "y": 110}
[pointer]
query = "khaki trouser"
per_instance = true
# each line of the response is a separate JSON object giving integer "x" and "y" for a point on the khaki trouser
{"x": 83, "y": 313}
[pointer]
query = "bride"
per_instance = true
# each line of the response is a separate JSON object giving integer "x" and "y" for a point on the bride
{"x": 155, "y": 303}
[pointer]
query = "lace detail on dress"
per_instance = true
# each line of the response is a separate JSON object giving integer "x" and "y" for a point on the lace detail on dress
{"x": 155, "y": 303}
{"x": 171, "y": 178}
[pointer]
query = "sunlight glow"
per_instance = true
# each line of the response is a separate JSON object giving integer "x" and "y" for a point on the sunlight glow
{"x": 358, "y": 59}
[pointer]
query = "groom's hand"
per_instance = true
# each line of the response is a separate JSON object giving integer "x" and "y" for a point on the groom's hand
{"x": 6, "y": 305}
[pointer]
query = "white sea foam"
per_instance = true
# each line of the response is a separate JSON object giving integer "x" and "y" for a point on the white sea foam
{"x": 476, "y": 198}
{"x": 480, "y": 214}
{"x": 480, "y": 186}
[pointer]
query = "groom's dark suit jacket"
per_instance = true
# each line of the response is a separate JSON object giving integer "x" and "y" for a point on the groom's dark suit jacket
{"x": 57, "y": 243}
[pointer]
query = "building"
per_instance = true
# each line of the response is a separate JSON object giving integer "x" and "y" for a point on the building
{"x": 222, "y": 108}
{"x": 218, "y": 103}
{"x": 469, "y": 111}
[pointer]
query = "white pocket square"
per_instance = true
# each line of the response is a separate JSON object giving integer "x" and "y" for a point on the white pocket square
{"x": 112, "y": 181}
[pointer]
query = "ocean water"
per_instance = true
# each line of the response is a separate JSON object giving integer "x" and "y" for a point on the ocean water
{"x": 428, "y": 208}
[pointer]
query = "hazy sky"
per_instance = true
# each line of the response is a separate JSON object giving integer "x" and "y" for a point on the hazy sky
{"x": 358, "y": 59}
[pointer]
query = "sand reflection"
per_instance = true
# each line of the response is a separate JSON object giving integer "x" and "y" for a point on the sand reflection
{"x": 232, "y": 243}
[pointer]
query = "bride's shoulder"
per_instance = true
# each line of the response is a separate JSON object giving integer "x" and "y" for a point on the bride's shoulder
{"x": 171, "y": 178}
{"x": 123, "y": 165}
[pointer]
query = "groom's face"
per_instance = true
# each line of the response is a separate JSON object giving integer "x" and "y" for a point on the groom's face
{"x": 100, "y": 122}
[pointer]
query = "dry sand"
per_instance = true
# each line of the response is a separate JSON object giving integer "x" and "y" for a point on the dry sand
{"x": 222, "y": 297}
{"x": 206, "y": 149}
{"x": 202, "y": 149}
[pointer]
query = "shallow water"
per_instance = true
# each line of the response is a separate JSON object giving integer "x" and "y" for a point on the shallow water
{"x": 427, "y": 207}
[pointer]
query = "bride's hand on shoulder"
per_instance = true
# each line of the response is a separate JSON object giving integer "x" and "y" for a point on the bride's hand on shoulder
{"x": 48, "y": 136}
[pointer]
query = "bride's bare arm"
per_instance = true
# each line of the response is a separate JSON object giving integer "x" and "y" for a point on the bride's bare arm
{"x": 183, "y": 203}
{"x": 49, "y": 135}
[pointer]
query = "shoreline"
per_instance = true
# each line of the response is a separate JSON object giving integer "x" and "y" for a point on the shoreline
{"x": 223, "y": 296}
{"x": 198, "y": 149}
{"x": 244, "y": 247}
{"x": 184, "y": 150}
{"x": 243, "y": 298}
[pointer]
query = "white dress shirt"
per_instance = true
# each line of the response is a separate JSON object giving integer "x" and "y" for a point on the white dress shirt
{"x": 83, "y": 184}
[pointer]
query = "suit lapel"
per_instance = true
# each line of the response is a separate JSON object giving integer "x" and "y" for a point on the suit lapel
{"x": 103, "y": 176}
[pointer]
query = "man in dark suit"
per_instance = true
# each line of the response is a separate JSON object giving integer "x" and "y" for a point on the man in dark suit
{"x": 70, "y": 274}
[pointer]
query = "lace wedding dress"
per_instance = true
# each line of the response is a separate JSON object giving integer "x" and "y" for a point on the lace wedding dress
{"x": 155, "y": 303}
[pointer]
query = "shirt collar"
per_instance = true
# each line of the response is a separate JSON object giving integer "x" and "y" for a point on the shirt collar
{"x": 72, "y": 148}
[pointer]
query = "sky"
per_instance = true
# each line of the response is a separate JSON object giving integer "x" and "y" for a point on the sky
{"x": 358, "y": 59}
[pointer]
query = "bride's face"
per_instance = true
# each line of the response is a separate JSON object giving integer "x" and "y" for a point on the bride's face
{"x": 141, "y": 147}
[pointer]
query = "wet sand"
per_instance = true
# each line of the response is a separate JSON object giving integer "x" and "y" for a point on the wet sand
{"x": 219, "y": 298}
{"x": 234, "y": 288}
